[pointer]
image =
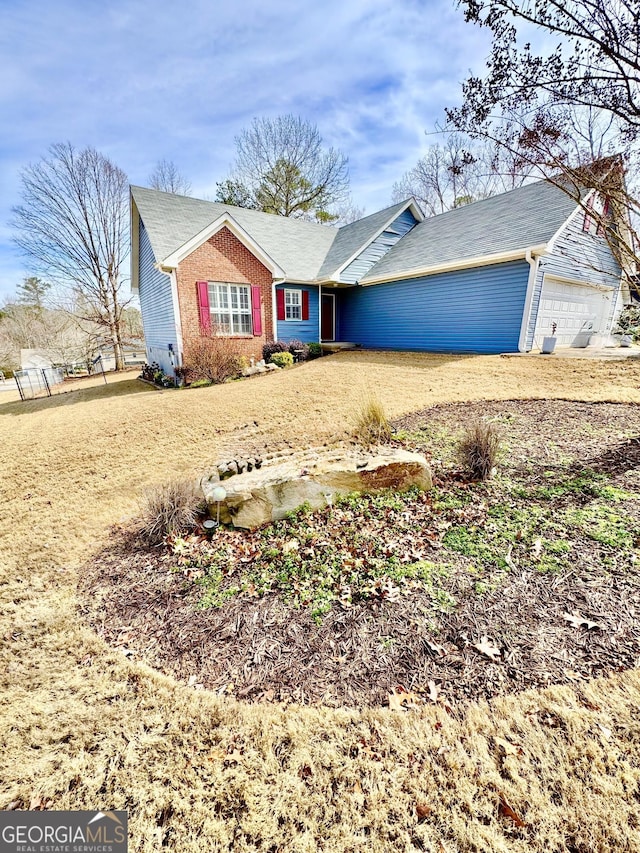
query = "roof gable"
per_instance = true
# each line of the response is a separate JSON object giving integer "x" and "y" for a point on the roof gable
{"x": 354, "y": 238}
{"x": 297, "y": 248}
{"x": 223, "y": 221}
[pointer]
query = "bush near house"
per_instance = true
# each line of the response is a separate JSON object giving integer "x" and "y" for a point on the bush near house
{"x": 215, "y": 359}
{"x": 300, "y": 350}
{"x": 273, "y": 347}
{"x": 629, "y": 321}
{"x": 282, "y": 359}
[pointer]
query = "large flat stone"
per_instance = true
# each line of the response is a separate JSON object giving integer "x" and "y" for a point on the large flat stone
{"x": 284, "y": 483}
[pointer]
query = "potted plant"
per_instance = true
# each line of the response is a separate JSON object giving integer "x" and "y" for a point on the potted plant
{"x": 549, "y": 341}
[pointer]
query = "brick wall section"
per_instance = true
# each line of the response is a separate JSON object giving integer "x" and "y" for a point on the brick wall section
{"x": 223, "y": 258}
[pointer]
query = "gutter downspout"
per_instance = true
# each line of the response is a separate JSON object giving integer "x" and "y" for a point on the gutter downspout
{"x": 528, "y": 299}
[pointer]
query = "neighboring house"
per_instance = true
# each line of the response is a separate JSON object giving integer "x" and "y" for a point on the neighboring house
{"x": 489, "y": 277}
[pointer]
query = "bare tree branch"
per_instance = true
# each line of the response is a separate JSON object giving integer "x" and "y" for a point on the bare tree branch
{"x": 281, "y": 167}
{"x": 168, "y": 179}
{"x": 72, "y": 225}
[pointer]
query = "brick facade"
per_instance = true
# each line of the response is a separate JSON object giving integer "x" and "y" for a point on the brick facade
{"x": 223, "y": 258}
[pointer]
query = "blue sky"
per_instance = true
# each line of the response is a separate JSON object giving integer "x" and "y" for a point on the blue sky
{"x": 141, "y": 81}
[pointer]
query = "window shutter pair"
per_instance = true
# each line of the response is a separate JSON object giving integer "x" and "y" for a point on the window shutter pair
{"x": 280, "y": 309}
{"x": 205, "y": 311}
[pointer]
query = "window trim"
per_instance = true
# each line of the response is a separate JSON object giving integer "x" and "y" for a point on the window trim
{"x": 248, "y": 312}
{"x": 297, "y": 304}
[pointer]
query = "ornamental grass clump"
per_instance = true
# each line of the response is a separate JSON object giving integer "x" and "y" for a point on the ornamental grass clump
{"x": 168, "y": 509}
{"x": 372, "y": 426}
{"x": 479, "y": 448}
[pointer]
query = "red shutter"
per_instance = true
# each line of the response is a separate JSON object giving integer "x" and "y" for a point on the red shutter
{"x": 280, "y": 304}
{"x": 588, "y": 219}
{"x": 605, "y": 213}
{"x": 203, "y": 305}
{"x": 256, "y": 311}
{"x": 305, "y": 304}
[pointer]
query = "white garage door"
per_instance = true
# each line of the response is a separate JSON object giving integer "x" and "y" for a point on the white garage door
{"x": 577, "y": 310}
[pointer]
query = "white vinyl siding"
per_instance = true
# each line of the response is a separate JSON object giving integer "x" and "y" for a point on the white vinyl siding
{"x": 230, "y": 307}
{"x": 293, "y": 305}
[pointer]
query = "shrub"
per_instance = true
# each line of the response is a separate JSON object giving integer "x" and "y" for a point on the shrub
{"x": 215, "y": 359}
{"x": 299, "y": 350}
{"x": 372, "y": 426}
{"x": 479, "y": 448}
{"x": 149, "y": 371}
{"x": 168, "y": 509}
{"x": 282, "y": 359}
{"x": 272, "y": 347}
{"x": 315, "y": 351}
{"x": 7, "y": 372}
{"x": 629, "y": 322}
{"x": 200, "y": 383}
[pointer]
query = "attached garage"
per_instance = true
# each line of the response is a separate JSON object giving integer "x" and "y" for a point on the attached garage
{"x": 578, "y": 310}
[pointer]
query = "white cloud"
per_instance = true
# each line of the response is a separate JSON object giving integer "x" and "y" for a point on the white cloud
{"x": 146, "y": 80}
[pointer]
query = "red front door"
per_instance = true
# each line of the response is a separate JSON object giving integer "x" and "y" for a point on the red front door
{"x": 328, "y": 317}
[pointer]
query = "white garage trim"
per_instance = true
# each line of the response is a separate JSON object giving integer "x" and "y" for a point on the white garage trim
{"x": 576, "y": 282}
{"x": 579, "y": 308}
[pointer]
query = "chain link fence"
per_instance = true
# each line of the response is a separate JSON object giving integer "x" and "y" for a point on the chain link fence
{"x": 38, "y": 381}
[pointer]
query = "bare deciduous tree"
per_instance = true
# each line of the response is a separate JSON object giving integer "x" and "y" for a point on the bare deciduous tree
{"x": 281, "y": 167}
{"x": 72, "y": 225}
{"x": 571, "y": 113}
{"x": 167, "y": 178}
{"x": 457, "y": 171}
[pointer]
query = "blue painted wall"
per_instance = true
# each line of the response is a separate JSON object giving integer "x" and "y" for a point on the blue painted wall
{"x": 301, "y": 330}
{"x": 158, "y": 318}
{"x": 476, "y": 310}
{"x": 378, "y": 248}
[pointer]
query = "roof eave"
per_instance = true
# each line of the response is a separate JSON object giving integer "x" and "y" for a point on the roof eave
{"x": 134, "y": 231}
{"x": 460, "y": 264}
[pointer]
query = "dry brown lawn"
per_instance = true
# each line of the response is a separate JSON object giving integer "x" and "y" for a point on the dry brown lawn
{"x": 83, "y": 727}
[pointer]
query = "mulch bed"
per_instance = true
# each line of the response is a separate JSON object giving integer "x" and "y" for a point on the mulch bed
{"x": 261, "y": 649}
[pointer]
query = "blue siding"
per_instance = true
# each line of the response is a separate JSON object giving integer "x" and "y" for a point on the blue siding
{"x": 476, "y": 310}
{"x": 378, "y": 248}
{"x": 156, "y": 304}
{"x": 301, "y": 330}
{"x": 577, "y": 255}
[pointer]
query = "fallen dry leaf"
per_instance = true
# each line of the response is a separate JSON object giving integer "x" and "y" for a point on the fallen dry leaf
{"x": 434, "y": 691}
{"x": 400, "y": 699}
{"x": 536, "y": 548}
{"x": 423, "y": 810}
{"x": 507, "y": 747}
{"x": 605, "y": 731}
{"x": 436, "y": 648}
{"x": 486, "y": 648}
{"x": 579, "y": 621}
{"x": 507, "y": 811}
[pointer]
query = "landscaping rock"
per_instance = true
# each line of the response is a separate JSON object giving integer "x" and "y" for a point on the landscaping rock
{"x": 316, "y": 477}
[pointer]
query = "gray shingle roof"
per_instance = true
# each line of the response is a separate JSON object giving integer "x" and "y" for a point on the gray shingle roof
{"x": 524, "y": 217}
{"x": 298, "y": 247}
{"x": 355, "y": 236}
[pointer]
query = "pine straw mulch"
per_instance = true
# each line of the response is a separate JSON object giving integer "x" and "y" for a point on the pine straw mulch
{"x": 512, "y": 636}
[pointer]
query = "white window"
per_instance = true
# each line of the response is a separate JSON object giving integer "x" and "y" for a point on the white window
{"x": 230, "y": 307}
{"x": 293, "y": 305}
